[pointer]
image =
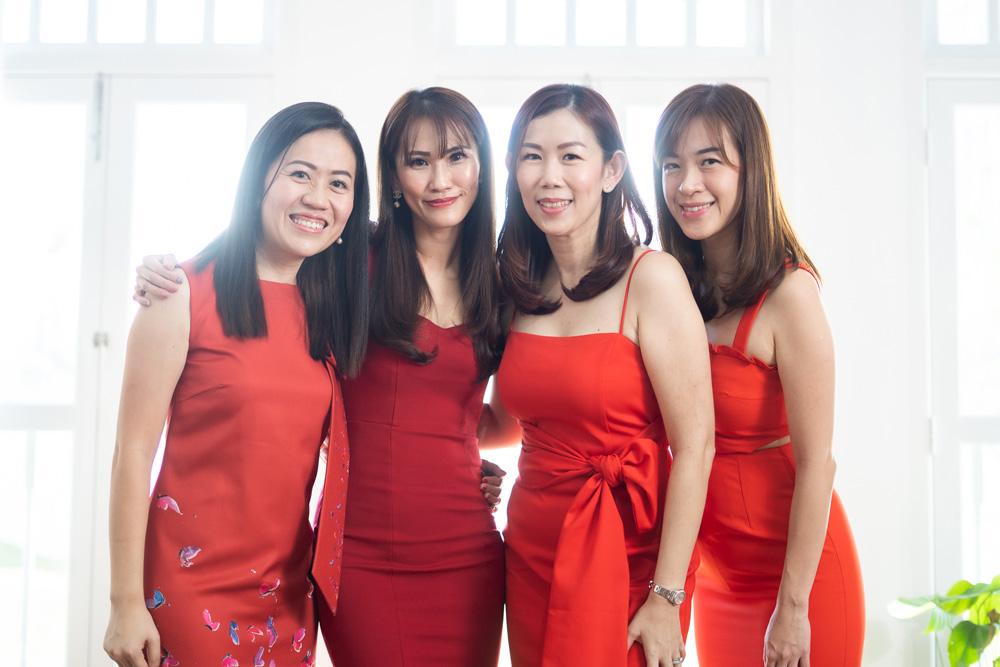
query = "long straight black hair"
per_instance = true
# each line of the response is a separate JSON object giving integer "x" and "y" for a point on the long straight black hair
{"x": 399, "y": 289}
{"x": 333, "y": 283}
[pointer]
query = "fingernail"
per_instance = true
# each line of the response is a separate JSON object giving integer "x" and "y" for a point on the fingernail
{"x": 179, "y": 280}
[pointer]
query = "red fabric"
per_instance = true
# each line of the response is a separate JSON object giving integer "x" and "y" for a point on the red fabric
{"x": 744, "y": 532}
{"x": 229, "y": 543}
{"x": 423, "y": 561}
{"x": 584, "y": 516}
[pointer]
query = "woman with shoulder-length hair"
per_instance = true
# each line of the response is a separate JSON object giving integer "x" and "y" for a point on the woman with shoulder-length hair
{"x": 423, "y": 560}
{"x": 606, "y": 366}
{"x": 215, "y": 567}
{"x": 780, "y": 575}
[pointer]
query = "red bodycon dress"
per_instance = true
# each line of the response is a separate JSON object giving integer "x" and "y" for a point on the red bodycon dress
{"x": 229, "y": 542}
{"x": 584, "y": 517}
{"x": 423, "y": 560}
{"x": 745, "y": 528}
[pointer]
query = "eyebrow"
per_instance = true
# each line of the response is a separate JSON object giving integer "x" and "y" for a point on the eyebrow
{"x": 451, "y": 149}
{"x": 561, "y": 146}
{"x": 703, "y": 151}
{"x": 338, "y": 172}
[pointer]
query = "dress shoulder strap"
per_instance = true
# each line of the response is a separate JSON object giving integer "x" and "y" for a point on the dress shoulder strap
{"x": 628, "y": 286}
{"x": 750, "y": 313}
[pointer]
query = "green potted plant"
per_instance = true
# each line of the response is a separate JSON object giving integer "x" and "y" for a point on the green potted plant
{"x": 969, "y": 614}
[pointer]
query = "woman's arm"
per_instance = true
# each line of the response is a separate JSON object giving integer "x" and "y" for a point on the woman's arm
{"x": 674, "y": 348}
{"x": 497, "y": 427}
{"x": 804, "y": 355}
{"x": 155, "y": 356}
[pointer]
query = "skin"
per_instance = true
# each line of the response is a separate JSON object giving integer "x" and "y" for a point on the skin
{"x": 790, "y": 332}
{"x": 561, "y": 173}
{"x": 313, "y": 184}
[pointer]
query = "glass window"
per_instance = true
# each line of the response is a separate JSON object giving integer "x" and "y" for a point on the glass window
{"x": 62, "y": 21}
{"x": 121, "y": 21}
{"x": 180, "y": 22}
{"x": 239, "y": 21}
{"x": 15, "y": 27}
{"x": 600, "y": 22}
{"x": 540, "y": 22}
{"x": 41, "y": 264}
{"x": 660, "y": 22}
{"x": 721, "y": 23}
{"x": 963, "y": 22}
{"x": 980, "y": 508}
{"x": 977, "y": 199}
{"x": 480, "y": 23}
{"x": 498, "y": 121}
{"x": 640, "y": 125}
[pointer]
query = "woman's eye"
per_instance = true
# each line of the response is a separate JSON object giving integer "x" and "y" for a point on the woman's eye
{"x": 710, "y": 162}
{"x": 531, "y": 156}
{"x": 571, "y": 156}
{"x": 417, "y": 162}
{"x": 298, "y": 174}
{"x": 338, "y": 185}
{"x": 670, "y": 166}
{"x": 457, "y": 156}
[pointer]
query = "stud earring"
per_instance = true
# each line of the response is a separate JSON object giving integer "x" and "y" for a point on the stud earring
{"x": 340, "y": 240}
{"x": 396, "y": 196}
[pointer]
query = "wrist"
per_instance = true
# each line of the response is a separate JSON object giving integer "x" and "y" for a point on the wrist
{"x": 672, "y": 596}
{"x": 792, "y": 604}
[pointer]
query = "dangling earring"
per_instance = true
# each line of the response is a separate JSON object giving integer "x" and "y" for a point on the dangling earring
{"x": 396, "y": 196}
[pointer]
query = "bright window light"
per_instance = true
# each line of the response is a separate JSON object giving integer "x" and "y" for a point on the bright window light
{"x": 180, "y": 21}
{"x": 480, "y": 23}
{"x": 660, "y": 22}
{"x": 498, "y": 121}
{"x": 16, "y": 25}
{"x": 963, "y": 22}
{"x": 540, "y": 22}
{"x": 600, "y": 22}
{"x": 121, "y": 21}
{"x": 721, "y": 23}
{"x": 239, "y": 21}
{"x": 62, "y": 21}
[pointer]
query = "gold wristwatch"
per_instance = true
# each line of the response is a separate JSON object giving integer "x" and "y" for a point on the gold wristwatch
{"x": 674, "y": 596}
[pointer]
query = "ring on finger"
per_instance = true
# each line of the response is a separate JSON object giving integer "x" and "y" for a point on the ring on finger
{"x": 676, "y": 661}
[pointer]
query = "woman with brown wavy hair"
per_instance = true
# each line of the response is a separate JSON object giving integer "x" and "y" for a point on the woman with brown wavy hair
{"x": 780, "y": 574}
{"x": 606, "y": 366}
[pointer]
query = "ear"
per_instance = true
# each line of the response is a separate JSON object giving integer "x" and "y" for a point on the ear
{"x": 614, "y": 169}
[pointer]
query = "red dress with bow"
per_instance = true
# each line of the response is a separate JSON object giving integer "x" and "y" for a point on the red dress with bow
{"x": 584, "y": 516}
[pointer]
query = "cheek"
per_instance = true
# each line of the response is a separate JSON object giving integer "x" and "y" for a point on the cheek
{"x": 343, "y": 206}
{"x": 467, "y": 175}
{"x": 412, "y": 185}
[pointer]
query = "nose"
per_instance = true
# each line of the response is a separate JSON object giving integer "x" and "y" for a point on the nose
{"x": 690, "y": 182}
{"x": 440, "y": 176}
{"x": 551, "y": 173}
{"x": 315, "y": 195}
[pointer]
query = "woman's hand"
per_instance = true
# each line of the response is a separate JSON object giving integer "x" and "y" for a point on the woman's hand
{"x": 157, "y": 276}
{"x": 491, "y": 482}
{"x": 786, "y": 642}
{"x": 657, "y": 626}
{"x": 132, "y": 639}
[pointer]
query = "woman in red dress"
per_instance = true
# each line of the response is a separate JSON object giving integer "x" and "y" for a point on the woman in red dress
{"x": 780, "y": 579}
{"x": 214, "y": 569}
{"x": 606, "y": 366}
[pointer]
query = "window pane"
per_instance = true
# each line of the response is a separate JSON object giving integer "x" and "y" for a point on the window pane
{"x": 540, "y": 22}
{"x": 16, "y": 26}
{"x": 480, "y": 22}
{"x": 41, "y": 264}
{"x": 62, "y": 21}
{"x": 661, "y": 23}
{"x": 180, "y": 21}
{"x": 980, "y": 509}
{"x": 977, "y": 199}
{"x": 721, "y": 23}
{"x": 498, "y": 121}
{"x": 640, "y": 124}
{"x": 194, "y": 152}
{"x": 239, "y": 21}
{"x": 121, "y": 21}
{"x": 600, "y": 22}
{"x": 963, "y": 21}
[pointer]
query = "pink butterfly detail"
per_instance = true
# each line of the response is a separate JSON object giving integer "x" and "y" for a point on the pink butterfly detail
{"x": 300, "y": 635}
{"x": 168, "y": 660}
{"x": 209, "y": 623}
{"x": 167, "y": 503}
{"x": 254, "y": 633}
{"x": 230, "y": 661}
{"x": 187, "y": 555}
{"x": 258, "y": 660}
{"x": 268, "y": 587}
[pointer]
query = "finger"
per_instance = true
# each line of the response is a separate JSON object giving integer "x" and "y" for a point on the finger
{"x": 141, "y": 300}
{"x": 134, "y": 658}
{"x": 157, "y": 278}
{"x": 652, "y": 657}
{"x": 169, "y": 261}
{"x": 153, "y": 652}
{"x": 148, "y": 289}
{"x": 490, "y": 468}
{"x": 492, "y": 480}
{"x": 492, "y": 489}
{"x": 804, "y": 660}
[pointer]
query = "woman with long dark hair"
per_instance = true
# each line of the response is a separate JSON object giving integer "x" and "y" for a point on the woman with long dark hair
{"x": 605, "y": 368}
{"x": 423, "y": 576}
{"x": 216, "y": 565}
{"x": 780, "y": 575}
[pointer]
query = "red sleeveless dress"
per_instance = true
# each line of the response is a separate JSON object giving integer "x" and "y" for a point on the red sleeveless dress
{"x": 423, "y": 581}
{"x": 745, "y": 527}
{"x": 229, "y": 543}
{"x": 584, "y": 516}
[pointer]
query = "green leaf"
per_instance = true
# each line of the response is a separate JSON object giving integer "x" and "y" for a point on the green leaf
{"x": 967, "y": 642}
{"x": 996, "y": 663}
{"x": 958, "y": 587}
{"x": 940, "y": 620}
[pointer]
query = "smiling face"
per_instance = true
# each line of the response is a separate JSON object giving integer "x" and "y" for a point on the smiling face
{"x": 438, "y": 187}
{"x": 701, "y": 189}
{"x": 310, "y": 197}
{"x": 561, "y": 174}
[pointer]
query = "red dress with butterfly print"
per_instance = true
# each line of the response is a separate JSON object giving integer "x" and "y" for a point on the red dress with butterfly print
{"x": 229, "y": 544}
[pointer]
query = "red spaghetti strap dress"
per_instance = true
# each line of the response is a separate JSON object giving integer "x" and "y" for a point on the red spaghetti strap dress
{"x": 745, "y": 527}
{"x": 229, "y": 542}
{"x": 584, "y": 516}
{"x": 423, "y": 577}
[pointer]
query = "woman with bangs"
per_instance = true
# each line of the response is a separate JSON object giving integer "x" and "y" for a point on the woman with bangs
{"x": 423, "y": 562}
{"x": 606, "y": 371}
{"x": 780, "y": 576}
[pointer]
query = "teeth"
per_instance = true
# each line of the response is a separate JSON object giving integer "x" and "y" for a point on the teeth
{"x": 309, "y": 224}
{"x": 563, "y": 203}
{"x": 695, "y": 209}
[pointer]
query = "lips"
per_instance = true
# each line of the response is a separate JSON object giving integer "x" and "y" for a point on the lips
{"x": 308, "y": 223}
{"x": 553, "y": 205}
{"x": 695, "y": 209}
{"x": 443, "y": 202}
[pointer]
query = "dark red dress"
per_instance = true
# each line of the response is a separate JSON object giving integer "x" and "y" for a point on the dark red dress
{"x": 229, "y": 542}
{"x": 423, "y": 578}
